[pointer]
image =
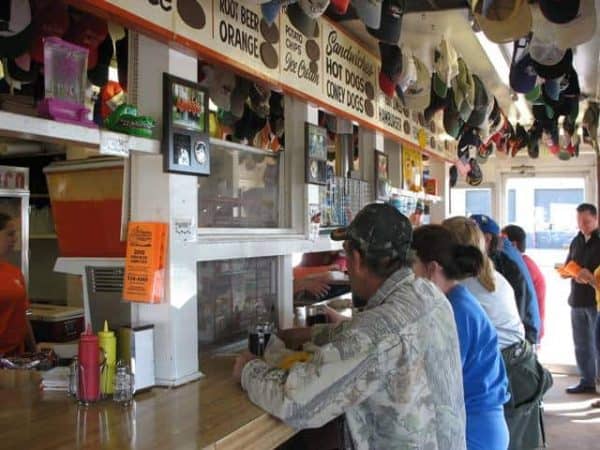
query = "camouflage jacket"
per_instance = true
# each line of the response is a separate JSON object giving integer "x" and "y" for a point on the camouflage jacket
{"x": 394, "y": 370}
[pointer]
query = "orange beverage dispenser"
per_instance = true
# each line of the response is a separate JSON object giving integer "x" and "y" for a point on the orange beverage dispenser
{"x": 87, "y": 206}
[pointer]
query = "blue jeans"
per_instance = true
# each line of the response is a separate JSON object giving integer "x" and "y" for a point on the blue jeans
{"x": 583, "y": 322}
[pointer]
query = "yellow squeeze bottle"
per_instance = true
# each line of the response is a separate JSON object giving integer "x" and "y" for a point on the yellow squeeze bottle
{"x": 108, "y": 343}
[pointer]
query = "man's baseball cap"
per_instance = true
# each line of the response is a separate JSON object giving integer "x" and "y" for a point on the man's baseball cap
{"x": 391, "y": 67}
{"x": 486, "y": 224}
{"x": 445, "y": 67}
{"x": 554, "y": 70}
{"x": 418, "y": 95}
{"x": 307, "y": 25}
{"x": 380, "y": 230}
{"x": 391, "y": 21}
{"x": 522, "y": 73}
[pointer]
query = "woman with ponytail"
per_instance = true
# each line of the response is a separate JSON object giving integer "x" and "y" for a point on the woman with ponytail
{"x": 439, "y": 258}
{"x": 490, "y": 288}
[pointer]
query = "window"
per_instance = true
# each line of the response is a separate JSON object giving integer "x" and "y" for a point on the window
{"x": 232, "y": 295}
{"x": 242, "y": 190}
{"x": 466, "y": 201}
{"x": 512, "y": 205}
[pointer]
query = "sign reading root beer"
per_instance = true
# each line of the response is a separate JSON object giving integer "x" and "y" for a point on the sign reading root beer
{"x": 242, "y": 34}
{"x": 350, "y": 74}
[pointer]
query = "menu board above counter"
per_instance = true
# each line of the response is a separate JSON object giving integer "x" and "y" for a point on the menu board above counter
{"x": 332, "y": 69}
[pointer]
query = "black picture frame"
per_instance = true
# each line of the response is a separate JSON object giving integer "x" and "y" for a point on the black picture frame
{"x": 316, "y": 154}
{"x": 186, "y": 140}
{"x": 382, "y": 175}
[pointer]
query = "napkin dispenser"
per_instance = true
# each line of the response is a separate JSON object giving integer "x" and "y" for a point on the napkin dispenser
{"x": 136, "y": 348}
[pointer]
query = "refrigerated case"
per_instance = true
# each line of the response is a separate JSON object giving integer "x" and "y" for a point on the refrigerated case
{"x": 14, "y": 201}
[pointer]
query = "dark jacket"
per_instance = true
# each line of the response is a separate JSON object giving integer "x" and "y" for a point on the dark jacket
{"x": 528, "y": 382}
{"x": 510, "y": 270}
{"x": 586, "y": 254}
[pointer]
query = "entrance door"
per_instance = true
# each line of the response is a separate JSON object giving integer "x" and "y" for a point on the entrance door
{"x": 545, "y": 208}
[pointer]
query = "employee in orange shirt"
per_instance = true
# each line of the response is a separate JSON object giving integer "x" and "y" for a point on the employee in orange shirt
{"x": 16, "y": 334}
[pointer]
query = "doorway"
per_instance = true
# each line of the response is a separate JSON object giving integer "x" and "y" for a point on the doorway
{"x": 545, "y": 208}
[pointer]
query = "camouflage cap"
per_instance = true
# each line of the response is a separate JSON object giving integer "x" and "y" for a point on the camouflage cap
{"x": 380, "y": 230}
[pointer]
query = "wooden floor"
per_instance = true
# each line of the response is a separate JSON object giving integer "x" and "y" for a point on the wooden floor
{"x": 570, "y": 422}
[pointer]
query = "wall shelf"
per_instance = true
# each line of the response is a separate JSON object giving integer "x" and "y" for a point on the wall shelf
{"x": 40, "y": 129}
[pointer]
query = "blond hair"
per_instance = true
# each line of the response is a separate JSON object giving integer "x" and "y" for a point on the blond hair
{"x": 466, "y": 232}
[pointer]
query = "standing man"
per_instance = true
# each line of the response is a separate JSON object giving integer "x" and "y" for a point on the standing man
{"x": 517, "y": 236}
{"x": 509, "y": 262}
{"x": 393, "y": 371}
{"x": 585, "y": 251}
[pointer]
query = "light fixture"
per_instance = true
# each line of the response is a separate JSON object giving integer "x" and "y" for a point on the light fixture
{"x": 498, "y": 61}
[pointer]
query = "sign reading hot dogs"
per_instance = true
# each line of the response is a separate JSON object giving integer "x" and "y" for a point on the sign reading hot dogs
{"x": 350, "y": 74}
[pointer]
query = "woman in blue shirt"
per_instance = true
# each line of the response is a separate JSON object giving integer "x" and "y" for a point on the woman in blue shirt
{"x": 443, "y": 261}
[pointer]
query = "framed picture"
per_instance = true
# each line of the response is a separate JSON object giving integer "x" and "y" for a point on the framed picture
{"x": 382, "y": 175}
{"x": 316, "y": 154}
{"x": 186, "y": 145}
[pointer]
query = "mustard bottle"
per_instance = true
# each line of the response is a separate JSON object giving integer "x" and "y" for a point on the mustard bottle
{"x": 108, "y": 344}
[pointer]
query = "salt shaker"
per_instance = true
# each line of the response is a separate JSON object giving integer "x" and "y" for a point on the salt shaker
{"x": 123, "y": 392}
{"x": 74, "y": 377}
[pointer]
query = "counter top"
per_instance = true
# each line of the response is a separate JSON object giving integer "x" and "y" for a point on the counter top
{"x": 212, "y": 413}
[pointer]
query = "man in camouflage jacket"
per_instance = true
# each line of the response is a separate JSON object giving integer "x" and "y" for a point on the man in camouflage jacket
{"x": 394, "y": 370}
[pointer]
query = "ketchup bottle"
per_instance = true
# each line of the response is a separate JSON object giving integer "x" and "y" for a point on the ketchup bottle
{"x": 89, "y": 367}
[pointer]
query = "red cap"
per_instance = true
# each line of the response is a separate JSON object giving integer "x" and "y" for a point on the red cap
{"x": 340, "y": 6}
{"x": 386, "y": 84}
{"x": 50, "y": 18}
{"x": 88, "y": 31}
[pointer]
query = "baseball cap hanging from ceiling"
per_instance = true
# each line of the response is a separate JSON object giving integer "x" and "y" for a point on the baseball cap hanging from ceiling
{"x": 369, "y": 11}
{"x": 15, "y": 28}
{"x": 391, "y": 21}
{"x": 502, "y": 21}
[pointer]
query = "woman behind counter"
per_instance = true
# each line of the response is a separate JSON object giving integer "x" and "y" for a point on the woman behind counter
{"x": 16, "y": 334}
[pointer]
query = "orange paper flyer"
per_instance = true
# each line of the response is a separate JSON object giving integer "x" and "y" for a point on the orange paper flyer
{"x": 145, "y": 262}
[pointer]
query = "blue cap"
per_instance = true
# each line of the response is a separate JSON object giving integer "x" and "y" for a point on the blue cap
{"x": 486, "y": 223}
{"x": 270, "y": 10}
{"x": 522, "y": 74}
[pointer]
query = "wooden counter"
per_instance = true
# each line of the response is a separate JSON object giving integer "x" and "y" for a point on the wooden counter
{"x": 213, "y": 413}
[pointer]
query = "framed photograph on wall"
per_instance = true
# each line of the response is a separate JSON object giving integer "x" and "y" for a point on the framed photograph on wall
{"x": 382, "y": 175}
{"x": 185, "y": 145}
{"x": 316, "y": 154}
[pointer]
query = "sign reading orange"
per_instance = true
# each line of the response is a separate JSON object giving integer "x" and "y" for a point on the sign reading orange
{"x": 145, "y": 262}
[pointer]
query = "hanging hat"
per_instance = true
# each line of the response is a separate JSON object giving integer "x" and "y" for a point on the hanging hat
{"x": 463, "y": 88}
{"x": 453, "y": 175}
{"x": 87, "y": 31}
{"x": 259, "y": 100}
{"x": 453, "y": 123}
{"x": 482, "y": 105}
{"x": 522, "y": 73}
{"x": 436, "y": 103}
{"x": 418, "y": 95}
{"x": 579, "y": 30}
{"x": 559, "y": 11}
{"x": 99, "y": 74}
{"x": 475, "y": 175}
{"x": 307, "y": 25}
{"x": 221, "y": 87}
{"x": 391, "y": 67}
{"x": 240, "y": 93}
{"x": 445, "y": 67}
{"x": 339, "y": 6}
{"x": 15, "y": 28}
{"x": 502, "y": 21}
{"x": 270, "y": 10}
{"x": 369, "y": 11}
{"x": 546, "y": 70}
{"x": 50, "y": 18}
{"x": 408, "y": 75}
{"x": 391, "y": 21}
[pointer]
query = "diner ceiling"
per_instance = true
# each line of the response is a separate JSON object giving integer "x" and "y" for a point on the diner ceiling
{"x": 428, "y": 20}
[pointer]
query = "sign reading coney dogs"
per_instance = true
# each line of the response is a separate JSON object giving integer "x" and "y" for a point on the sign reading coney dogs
{"x": 350, "y": 74}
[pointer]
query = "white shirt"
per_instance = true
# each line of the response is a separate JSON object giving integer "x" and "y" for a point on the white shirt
{"x": 501, "y": 308}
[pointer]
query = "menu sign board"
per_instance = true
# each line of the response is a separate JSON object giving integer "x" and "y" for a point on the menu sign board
{"x": 332, "y": 69}
{"x": 242, "y": 35}
{"x": 301, "y": 58}
{"x": 350, "y": 74}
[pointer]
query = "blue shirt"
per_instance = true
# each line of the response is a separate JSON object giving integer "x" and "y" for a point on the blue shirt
{"x": 484, "y": 376}
{"x": 515, "y": 256}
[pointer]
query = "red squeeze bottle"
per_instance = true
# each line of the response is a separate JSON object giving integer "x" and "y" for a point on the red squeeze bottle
{"x": 89, "y": 367}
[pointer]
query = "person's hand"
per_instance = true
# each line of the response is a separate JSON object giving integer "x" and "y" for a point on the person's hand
{"x": 334, "y": 317}
{"x": 240, "y": 363}
{"x": 585, "y": 277}
{"x": 294, "y": 338}
{"x": 318, "y": 287}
